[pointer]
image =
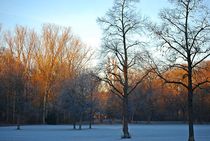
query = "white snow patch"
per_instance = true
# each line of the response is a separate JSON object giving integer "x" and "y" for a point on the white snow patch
{"x": 103, "y": 133}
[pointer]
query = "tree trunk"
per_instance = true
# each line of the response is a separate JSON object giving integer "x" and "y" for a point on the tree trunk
{"x": 190, "y": 103}
{"x": 190, "y": 116}
{"x": 91, "y": 115}
{"x": 74, "y": 125}
{"x": 44, "y": 109}
{"x": 125, "y": 118}
{"x": 18, "y": 121}
{"x": 80, "y": 122}
{"x": 14, "y": 108}
{"x": 90, "y": 122}
{"x": 7, "y": 109}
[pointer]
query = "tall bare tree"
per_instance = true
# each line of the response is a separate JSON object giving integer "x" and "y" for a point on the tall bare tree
{"x": 185, "y": 36}
{"x": 120, "y": 45}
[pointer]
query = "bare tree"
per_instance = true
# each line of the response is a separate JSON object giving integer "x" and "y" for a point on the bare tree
{"x": 91, "y": 83}
{"x": 120, "y": 47}
{"x": 77, "y": 97}
{"x": 184, "y": 34}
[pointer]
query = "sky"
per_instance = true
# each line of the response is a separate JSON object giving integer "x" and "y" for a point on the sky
{"x": 80, "y": 15}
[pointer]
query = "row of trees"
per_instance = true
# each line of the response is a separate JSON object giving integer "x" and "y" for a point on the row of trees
{"x": 77, "y": 98}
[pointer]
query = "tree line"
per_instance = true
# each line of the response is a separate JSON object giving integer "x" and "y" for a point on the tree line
{"x": 154, "y": 100}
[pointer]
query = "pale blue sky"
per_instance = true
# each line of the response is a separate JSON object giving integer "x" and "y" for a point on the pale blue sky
{"x": 80, "y": 15}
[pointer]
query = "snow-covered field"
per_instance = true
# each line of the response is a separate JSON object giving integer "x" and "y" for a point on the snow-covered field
{"x": 103, "y": 133}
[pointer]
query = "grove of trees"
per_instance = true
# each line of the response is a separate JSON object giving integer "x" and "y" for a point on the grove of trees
{"x": 34, "y": 69}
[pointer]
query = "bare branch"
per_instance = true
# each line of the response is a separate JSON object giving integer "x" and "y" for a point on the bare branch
{"x": 139, "y": 81}
{"x": 200, "y": 84}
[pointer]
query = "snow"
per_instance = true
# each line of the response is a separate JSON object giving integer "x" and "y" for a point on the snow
{"x": 140, "y": 132}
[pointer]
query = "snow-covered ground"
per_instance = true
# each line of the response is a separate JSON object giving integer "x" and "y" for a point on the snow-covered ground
{"x": 103, "y": 133}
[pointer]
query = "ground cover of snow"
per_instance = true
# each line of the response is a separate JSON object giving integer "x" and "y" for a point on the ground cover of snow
{"x": 139, "y": 132}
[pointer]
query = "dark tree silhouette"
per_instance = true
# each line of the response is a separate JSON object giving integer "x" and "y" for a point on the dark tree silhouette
{"x": 184, "y": 34}
{"x": 120, "y": 47}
